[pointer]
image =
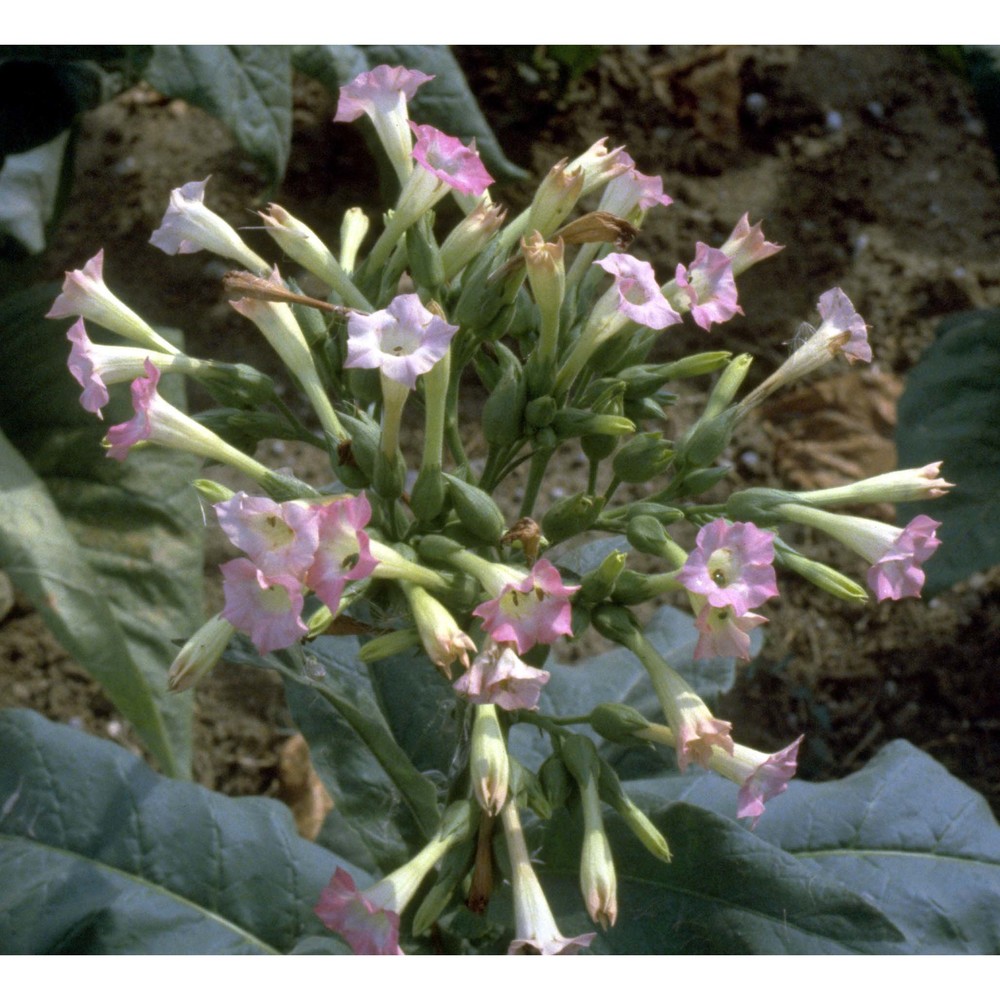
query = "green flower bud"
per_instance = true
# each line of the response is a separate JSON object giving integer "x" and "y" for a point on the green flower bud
{"x": 212, "y": 491}
{"x": 638, "y": 822}
{"x": 638, "y": 410}
{"x": 438, "y": 548}
{"x": 648, "y": 535}
{"x": 597, "y": 585}
{"x": 541, "y": 412}
{"x": 643, "y": 458}
{"x": 236, "y": 385}
{"x": 617, "y": 624}
{"x": 707, "y": 439}
{"x": 476, "y": 509}
{"x": 428, "y": 494}
{"x": 390, "y": 644}
{"x": 571, "y": 423}
{"x": 618, "y": 723}
{"x": 489, "y": 764}
{"x": 423, "y": 255}
{"x": 643, "y": 380}
{"x": 724, "y": 391}
{"x": 580, "y": 756}
{"x": 637, "y": 588}
{"x": 502, "y": 414}
{"x": 823, "y": 576}
{"x": 362, "y": 445}
{"x": 245, "y": 429}
{"x": 555, "y": 781}
{"x": 570, "y": 516}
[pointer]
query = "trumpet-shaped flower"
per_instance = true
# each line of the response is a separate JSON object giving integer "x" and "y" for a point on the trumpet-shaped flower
{"x": 895, "y": 554}
{"x": 637, "y": 292}
{"x": 189, "y": 226}
{"x": 148, "y": 404}
{"x": 268, "y": 609}
{"x": 450, "y": 160}
{"x": 534, "y": 610}
{"x": 732, "y": 566}
{"x": 746, "y": 245}
{"x": 85, "y": 294}
{"x": 368, "y": 928}
{"x": 843, "y": 327}
{"x": 403, "y": 341}
{"x": 382, "y": 94}
{"x": 499, "y": 677}
{"x": 631, "y": 191}
{"x": 279, "y": 538}
{"x": 343, "y": 551}
{"x": 709, "y": 285}
{"x": 535, "y": 929}
{"x": 760, "y": 776}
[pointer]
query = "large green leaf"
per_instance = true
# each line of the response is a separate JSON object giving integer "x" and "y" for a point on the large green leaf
{"x": 247, "y": 87}
{"x": 99, "y": 855}
{"x": 29, "y": 188}
{"x": 903, "y": 835}
{"x": 725, "y": 892}
{"x": 446, "y": 102}
{"x": 384, "y": 808}
{"x": 109, "y": 552}
{"x": 948, "y": 412}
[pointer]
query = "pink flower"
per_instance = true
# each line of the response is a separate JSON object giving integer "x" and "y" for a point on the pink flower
{"x": 536, "y": 610}
{"x": 724, "y": 633}
{"x": 381, "y": 90}
{"x": 498, "y": 677}
{"x": 367, "y": 928}
{"x": 83, "y": 367}
{"x": 746, "y": 245}
{"x": 403, "y": 341}
{"x": 731, "y": 565}
{"x": 343, "y": 550}
{"x": 843, "y": 326}
{"x": 280, "y": 538}
{"x": 145, "y": 400}
{"x": 896, "y": 573}
{"x": 639, "y": 295}
{"x": 85, "y": 294}
{"x": 189, "y": 226}
{"x": 633, "y": 190}
{"x": 268, "y": 609}
{"x": 710, "y": 286}
{"x": 450, "y": 161}
{"x": 764, "y": 778}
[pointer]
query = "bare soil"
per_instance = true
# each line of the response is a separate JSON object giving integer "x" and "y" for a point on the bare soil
{"x": 869, "y": 164}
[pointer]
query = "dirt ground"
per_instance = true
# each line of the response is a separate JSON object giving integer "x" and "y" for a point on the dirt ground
{"x": 869, "y": 164}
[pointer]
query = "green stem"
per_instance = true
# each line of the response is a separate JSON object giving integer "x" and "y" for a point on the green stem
{"x": 539, "y": 462}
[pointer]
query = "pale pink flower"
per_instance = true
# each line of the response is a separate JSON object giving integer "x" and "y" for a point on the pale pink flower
{"x": 499, "y": 677}
{"x": 535, "y": 928}
{"x": 83, "y": 366}
{"x": 269, "y": 610}
{"x": 896, "y": 573}
{"x": 343, "y": 550}
{"x": 895, "y": 554}
{"x": 85, "y": 294}
{"x": 380, "y": 91}
{"x": 146, "y": 401}
{"x": 366, "y": 927}
{"x": 843, "y": 325}
{"x": 403, "y": 341}
{"x": 535, "y": 610}
{"x": 189, "y": 226}
{"x": 639, "y": 295}
{"x": 280, "y": 538}
{"x": 450, "y": 160}
{"x": 760, "y": 776}
{"x": 721, "y": 632}
{"x": 731, "y": 565}
{"x": 710, "y": 286}
{"x": 632, "y": 190}
{"x": 746, "y": 245}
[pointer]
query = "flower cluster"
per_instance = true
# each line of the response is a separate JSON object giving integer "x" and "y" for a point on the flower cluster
{"x": 558, "y": 321}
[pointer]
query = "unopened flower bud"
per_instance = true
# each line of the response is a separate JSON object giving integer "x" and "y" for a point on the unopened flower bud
{"x": 642, "y": 380}
{"x": 823, "y": 576}
{"x": 212, "y": 491}
{"x": 570, "y": 516}
{"x": 598, "y": 585}
{"x": 489, "y": 765}
{"x": 643, "y": 458}
{"x": 200, "y": 654}
{"x": 648, "y": 535}
{"x": 728, "y": 384}
{"x": 555, "y": 198}
{"x": 541, "y": 412}
{"x": 555, "y": 781}
{"x": 571, "y": 423}
{"x": 617, "y": 624}
{"x": 618, "y": 723}
{"x": 503, "y": 410}
{"x": 637, "y": 588}
{"x": 695, "y": 482}
{"x": 476, "y": 509}
{"x": 707, "y": 439}
{"x": 471, "y": 236}
{"x": 638, "y": 822}
{"x": 353, "y": 230}
{"x": 390, "y": 644}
